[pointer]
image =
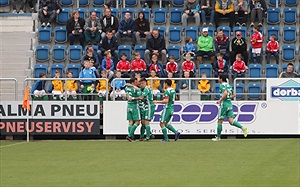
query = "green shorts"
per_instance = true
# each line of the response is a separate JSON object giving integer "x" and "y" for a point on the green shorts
{"x": 133, "y": 112}
{"x": 148, "y": 113}
{"x": 225, "y": 111}
{"x": 166, "y": 115}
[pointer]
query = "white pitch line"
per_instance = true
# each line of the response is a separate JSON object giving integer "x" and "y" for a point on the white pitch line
{"x": 12, "y": 145}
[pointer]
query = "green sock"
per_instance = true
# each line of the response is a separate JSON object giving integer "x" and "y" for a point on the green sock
{"x": 164, "y": 131}
{"x": 171, "y": 128}
{"x": 35, "y": 98}
{"x": 74, "y": 98}
{"x": 142, "y": 131}
{"x": 45, "y": 98}
{"x": 134, "y": 126}
{"x": 237, "y": 124}
{"x": 219, "y": 130}
{"x": 148, "y": 131}
{"x": 129, "y": 128}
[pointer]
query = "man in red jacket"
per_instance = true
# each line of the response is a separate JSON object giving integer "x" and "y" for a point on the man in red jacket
{"x": 257, "y": 42}
{"x": 124, "y": 66}
{"x": 139, "y": 65}
{"x": 188, "y": 65}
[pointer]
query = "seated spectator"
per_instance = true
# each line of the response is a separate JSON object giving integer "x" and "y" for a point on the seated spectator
{"x": 108, "y": 43}
{"x": 21, "y": 10}
{"x": 257, "y": 9}
{"x": 101, "y": 88}
{"x": 87, "y": 86}
{"x": 125, "y": 29}
{"x": 111, "y": 4}
{"x": 92, "y": 66}
{"x": 185, "y": 82}
{"x": 146, "y": 3}
{"x": 154, "y": 84}
{"x": 138, "y": 65}
{"x": 188, "y": 65}
{"x": 205, "y": 47}
{"x": 174, "y": 86}
{"x": 39, "y": 88}
{"x": 238, "y": 67}
{"x": 75, "y": 26}
{"x": 109, "y": 23}
{"x": 92, "y": 29}
{"x": 224, "y": 8}
{"x": 57, "y": 87}
{"x": 91, "y": 55}
{"x": 191, "y": 8}
{"x": 239, "y": 45}
{"x": 189, "y": 47}
{"x": 204, "y": 87}
{"x": 141, "y": 27}
{"x": 289, "y": 73}
{"x": 156, "y": 45}
{"x": 31, "y": 4}
{"x": 124, "y": 66}
{"x": 48, "y": 10}
{"x": 172, "y": 67}
{"x": 155, "y": 66}
{"x": 222, "y": 44}
{"x": 119, "y": 86}
{"x": 108, "y": 65}
{"x": 257, "y": 42}
{"x": 207, "y": 8}
{"x": 241, "y": 10}
{"x": 272, "y": 49}
{"x": 221, "y": 66}
{"x": 71, "y": 87}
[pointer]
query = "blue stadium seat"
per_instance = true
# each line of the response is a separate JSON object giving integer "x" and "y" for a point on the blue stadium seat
{"x": 125, "y": 49}
{"x": 291, "y": 2}
{"x": 191, "y": 31}
{"x": 83, "y": 2}
{"x": 283, "y": 67}
{"x": 288, "y": 52}
{"x": 124, "y": 10}
{"x": 174, "y": 50}
{"x": 130, "y": 2}
{"x": 97, "y": 10}
{"x": 261, "y": 30}
{"x": 211, "y": 31}
{"x": 175, "y": 15}
{"x": 141, "y": 49}
{"x": 255, "y": 70}
{"x": 241, "y": 29}
{"x": 40, "y": 68}
{"x": 254, "y": 90}
{"x": 63, "y": 16}
{"x": 82, "y": 12}
{"x": 216, "y": 91}
{"x": 273, "y": 15}
{"x": 161, "y": 29}
{"x": 59, "y": 53}
{"x": 160, "y": 15}
{"x": 42, "y": 52}
{"x": 175, "y": 34}
{"x": 75, "y": 53}
{"x": 115, "y": 12}
{"x": 289, "y": 34}
{"x": 45, "y": 34}
{"x": 273, "y": 2}
{"x": 59, "y": 67}
{"x": 207, "y": 68}
{"x": 271, "y": 70}
{"x": 98, "y": 3}
{"x": 226, "y": 30}
{"x": 4, "y": 2}
{"x": 146, "y": 11}
{"x": 75, "y": 68}
{"x": 239, "y": 90}
{"x": 60, "y": 34}
{"x": 66, "y": 3}
{"x": 177, "y": 2}
{"x": 290, "y": 15}
{"x": 273, "y": 30}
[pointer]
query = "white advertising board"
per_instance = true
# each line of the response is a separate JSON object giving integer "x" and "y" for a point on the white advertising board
{"x": 283, "y": 89}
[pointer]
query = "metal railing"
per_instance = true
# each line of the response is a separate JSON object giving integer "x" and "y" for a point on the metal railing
{"x": 248, "y": 79}
{"x": 16, "y": 85}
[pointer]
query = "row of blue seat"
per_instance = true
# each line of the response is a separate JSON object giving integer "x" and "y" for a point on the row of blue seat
{"x": 286, "y": 2}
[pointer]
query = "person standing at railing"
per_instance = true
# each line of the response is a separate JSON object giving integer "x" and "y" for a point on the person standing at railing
{"x": 71, "y": 87}
{"x": 119, "y": 86}
{"x": 39, "y": 87}
{"x": 204, "y": 87}
{"x": 101, "y": 86}
{"x": 154, "y": 84}
{"x": 57, "y": 86}
{"x": 87, "y": 86}
{"x": 185, "y": 82}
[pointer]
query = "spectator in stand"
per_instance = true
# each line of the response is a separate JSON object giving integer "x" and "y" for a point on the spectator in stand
{"x": 204, "y": 87}
{"x": 87, "y": 86}
{"x": 71, "y": 87}
{"x": 154, "y": 84}
{"x": 241, "y": 10}
{"x": 239, "y": 45}
{"x": 155, "y": 66}
{"x": 90, "y": 56}
{"x": 108, "y": 43}
{"x": 189, "y": 47}
{"x": 207, "y": 8}
{"x": 174, "y": 86}
{"x": 111, "y": 3}
{"x": 224, "y": 8}
{"x": 238, "y": 67}
{"x": 21, "y": 10}
{"x": 101, "y": 86}
{"x": 57, "y": 86}
{"x": 119, "y": 86}
{"x": 141, "y": 27}
{"x": 31, "y": 4}
{"x": 92, "y": 29}
{"x": 92, "y": 66}
{"x": 172, "y": 67}
{"x": 108, "y": 65}
{"x": 126, "y": 29}
{"x": 205, "y": 47}
{"x": 148, "y": 3}
{"x": 221, "y": 66}
{"x": 124, "y": 66}
{"x": 109, "y": 23}
{"x": 185, "y": 82}
{"x": 139, "y": 65}
{"x": 257, "y": 42}
{"x": 188, "y": 65}
{"x": 191, "y": 8}
{"x": 257, "y": 9}
{"x": 39, "y": 87}
{"x": 272, "y": 49}
{"x": 75, "y": 28}
{"x": 156, "y": 45}
{"x": 48, "y": 10}
{"x": 222, "y": 44}
{"x": 289, "y": 73}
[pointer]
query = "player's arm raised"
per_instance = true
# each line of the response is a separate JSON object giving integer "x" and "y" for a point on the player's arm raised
{"x": 225, "y": 93}
{"x": 165, "y": 101}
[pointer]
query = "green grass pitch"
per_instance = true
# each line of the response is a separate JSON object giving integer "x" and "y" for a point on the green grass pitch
{"x": 229, "y": 163}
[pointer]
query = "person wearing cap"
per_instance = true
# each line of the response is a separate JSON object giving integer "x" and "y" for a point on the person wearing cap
{"x": 205, "y": 46}
{"x": 238, "y": 46}
{"x": 224, "y": 8}
{"x": 191, "y": 8}
{"x": 222, "y": 44}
